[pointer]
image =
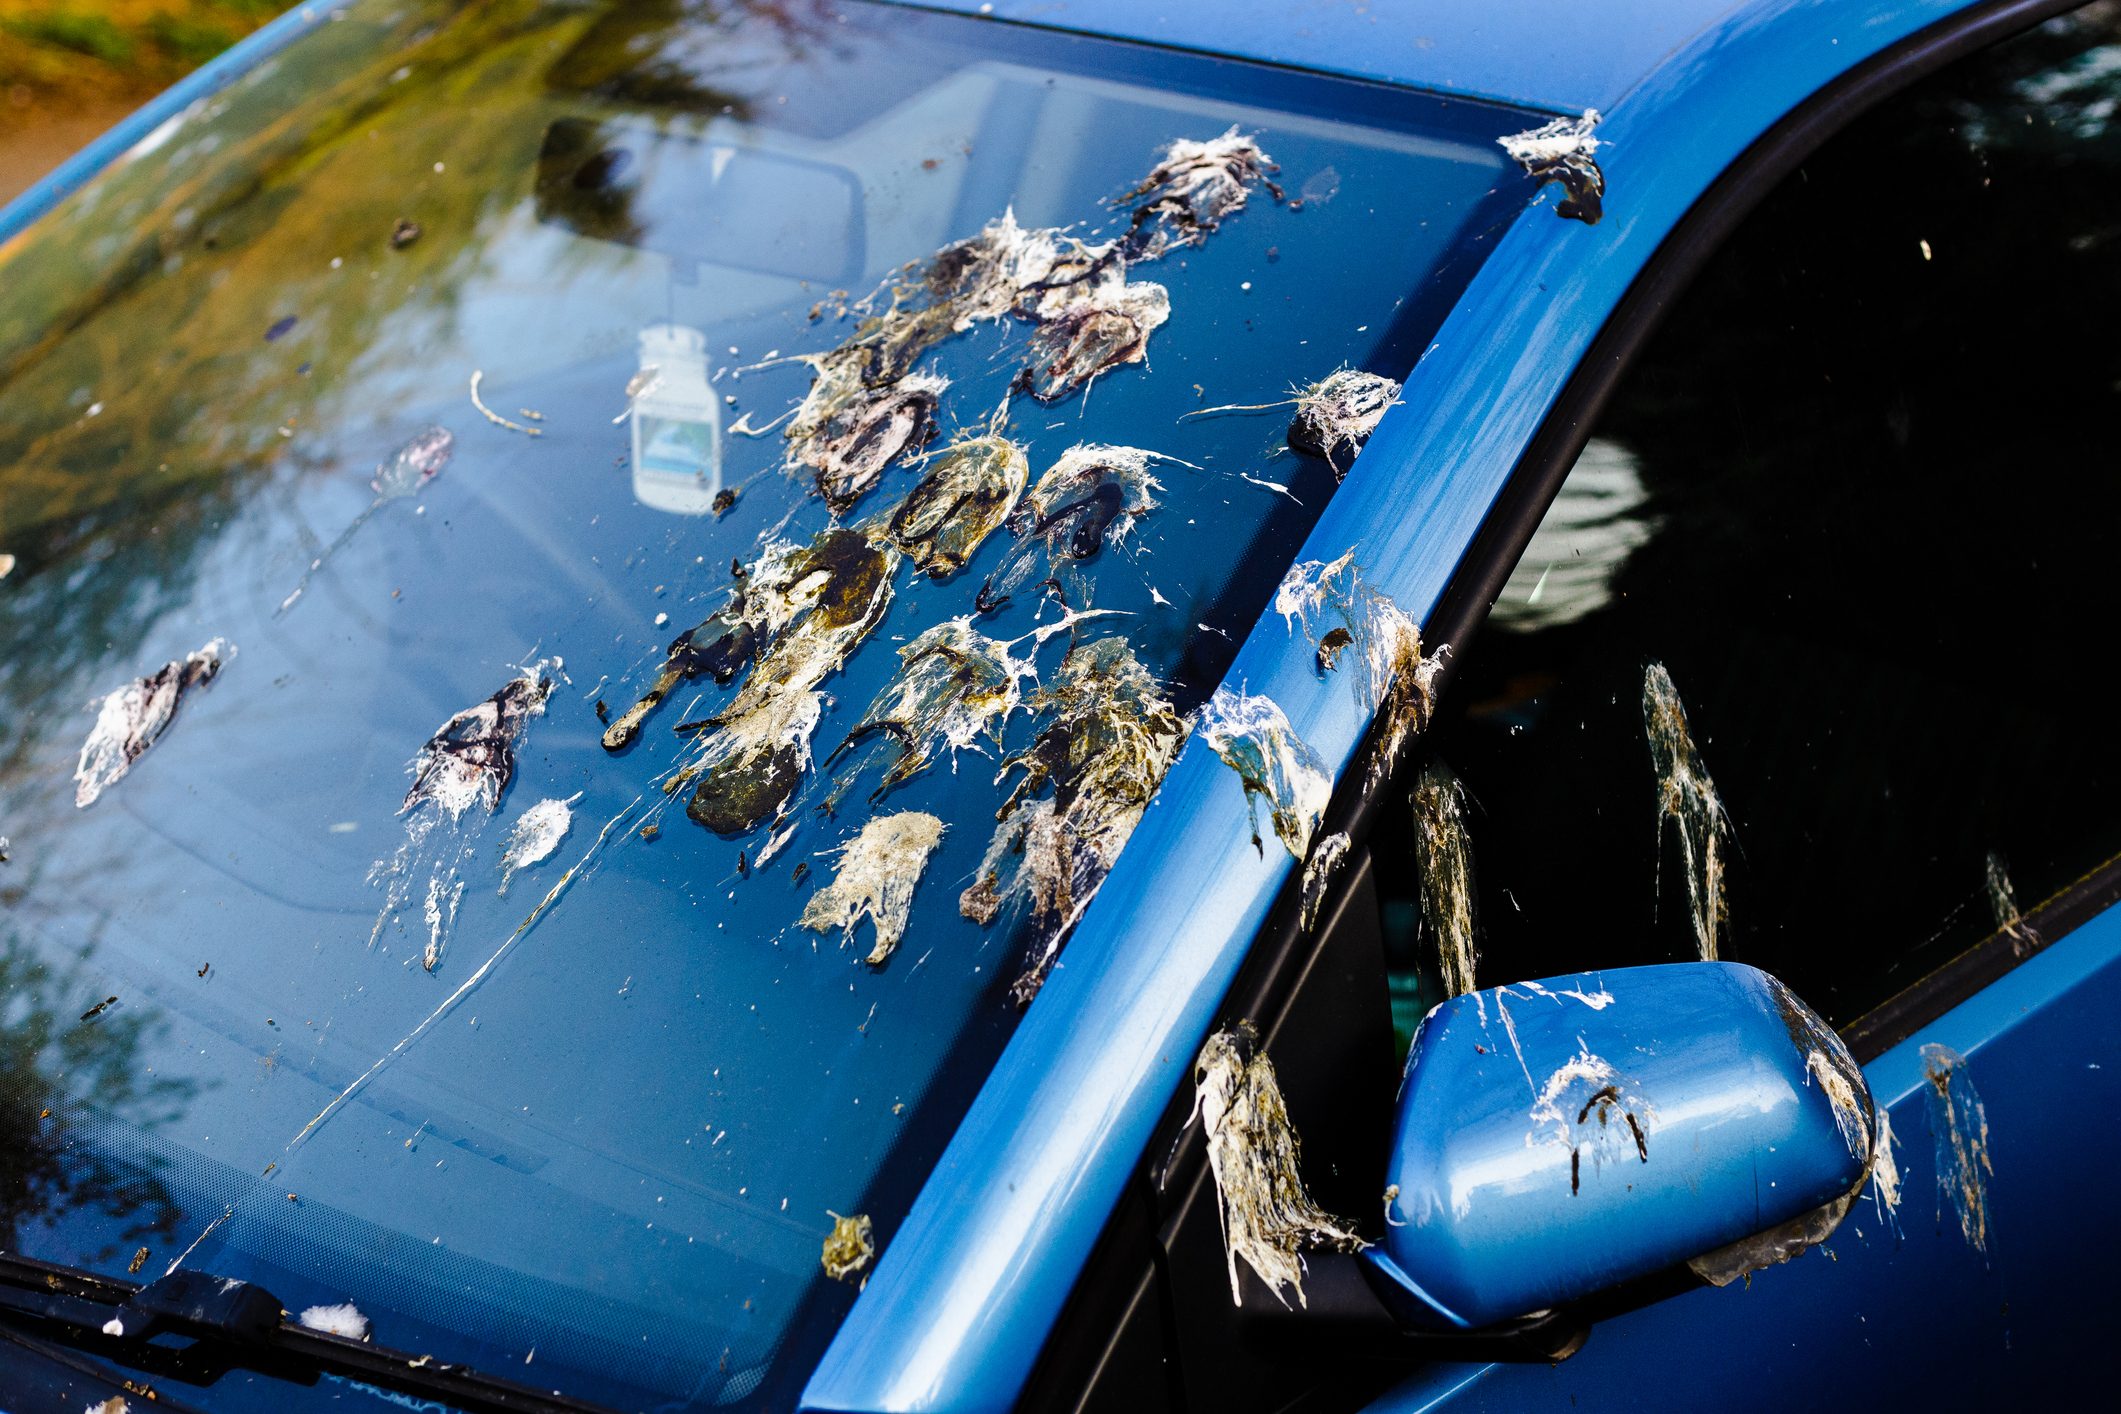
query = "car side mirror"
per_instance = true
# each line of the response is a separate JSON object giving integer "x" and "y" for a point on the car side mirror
{"x": 1556, "y": 1139}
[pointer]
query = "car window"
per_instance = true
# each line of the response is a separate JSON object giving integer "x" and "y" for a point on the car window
{"x": 1805, "y": 665}
{"x": 590, "y": 590}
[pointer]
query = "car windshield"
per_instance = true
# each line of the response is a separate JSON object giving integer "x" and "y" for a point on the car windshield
{"x": 590, "y": 592}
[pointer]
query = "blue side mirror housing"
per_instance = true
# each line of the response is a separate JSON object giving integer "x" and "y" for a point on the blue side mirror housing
{"x": 1555, "y": 1139}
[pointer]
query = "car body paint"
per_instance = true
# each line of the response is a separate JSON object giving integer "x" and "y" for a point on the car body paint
{"x": 963, "y": 1298}
{"x": 1557, "y": 1138}
{"x": 2041, "y": 1046}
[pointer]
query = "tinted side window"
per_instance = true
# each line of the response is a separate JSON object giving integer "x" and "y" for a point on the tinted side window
{"x": 1856, "y": 513}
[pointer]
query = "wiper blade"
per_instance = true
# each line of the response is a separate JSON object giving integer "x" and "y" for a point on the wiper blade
{"x": 236, "y": 1324}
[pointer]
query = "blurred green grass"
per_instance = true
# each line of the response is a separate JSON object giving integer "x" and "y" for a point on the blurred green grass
{"x": 70, "y": 68}
{"x": 79, "y": 49}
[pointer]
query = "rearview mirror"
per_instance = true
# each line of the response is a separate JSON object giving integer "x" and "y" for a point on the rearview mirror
{"x": 1556, "y": 1139}
{"x": 738, "y": 205}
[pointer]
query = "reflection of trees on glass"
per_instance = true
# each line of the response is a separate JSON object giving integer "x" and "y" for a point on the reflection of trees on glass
{"x": 59, "y": 1076}
{"x": 146, "y": 406}
{"x": 691, "y": 55}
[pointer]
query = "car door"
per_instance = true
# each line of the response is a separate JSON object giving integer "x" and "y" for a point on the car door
{"x": 1786, "y": 665}
{"x": 1801, "y": 667}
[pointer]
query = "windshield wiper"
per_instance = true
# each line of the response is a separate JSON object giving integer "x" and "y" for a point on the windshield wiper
{"x": 234, "y": 1324}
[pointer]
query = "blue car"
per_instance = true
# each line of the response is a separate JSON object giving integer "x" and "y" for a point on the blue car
{"x": 847, "y": 706}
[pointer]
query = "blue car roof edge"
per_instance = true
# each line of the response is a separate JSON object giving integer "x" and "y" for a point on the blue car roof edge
{"x": 208, "y": 79}
{"x": 964, "y": 1294}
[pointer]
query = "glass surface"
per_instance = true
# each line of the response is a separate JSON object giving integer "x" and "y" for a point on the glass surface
{"x": 1854, "y": 497}
{"x": 593, "y": 1142}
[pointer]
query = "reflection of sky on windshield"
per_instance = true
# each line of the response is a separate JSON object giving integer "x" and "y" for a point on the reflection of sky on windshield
{"x": 637, "y": 1123}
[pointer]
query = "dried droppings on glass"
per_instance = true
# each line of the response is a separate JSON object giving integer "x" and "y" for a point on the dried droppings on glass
{"x": 849, "y": 1248}
{"x": 468, "y": 762}
{"x": 7, "y": 565}
{"x": 876, "y": 875}
{"x": 2003, "y": 906}
{"x": 1268, "y": 1216}
{"x": 472, "y": 757}
{"x": 1336, "y": 415}
{"x": 478, "y": 376}
{"x": 537, "y": 833}
{"x": 954, "y": 689}
{"x": 99, "y": 1008}
{"x": 756, "y": 749}
{"x": 1687, "y": 797}
{"x": 1335, "y": 642}
{"x": 847, "y": 433}
{"x": 1007, "y": 269}
{"x": 867, "y": 407}
{"x": 724, "y": 501}
{"x": 405, "y": 473}
{"x": 775, "y": 842}
{"x": 1959, "y": 1125}
{"x": 1253, "y": 737}
{"x": 1106, "y": 328}
{"x": 1093, "y": 496}
{"x": 778, "y": 587}
{"x": 133, "y": 718}
{"x": 445, "y": 891}
{"x": 767, "y": 595}
{"x": 1564, "y": 151}
{"x": 645, "y": 380}
{"x": 1332, "y": 604}
{"x": 1327, "y": 856}
{"x": 1106, "y": 736}
{"x": 403, "y": 233}
{"x": 1192, "y": 190}
{"x": 959, "y": 502}
{"x": 1443, "y": 853}
{"x": 343, "y": 1320}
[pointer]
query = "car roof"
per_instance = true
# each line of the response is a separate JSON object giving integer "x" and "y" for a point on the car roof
{"x": 968, "y": 1289}
{"x": 1559, "y": 54}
